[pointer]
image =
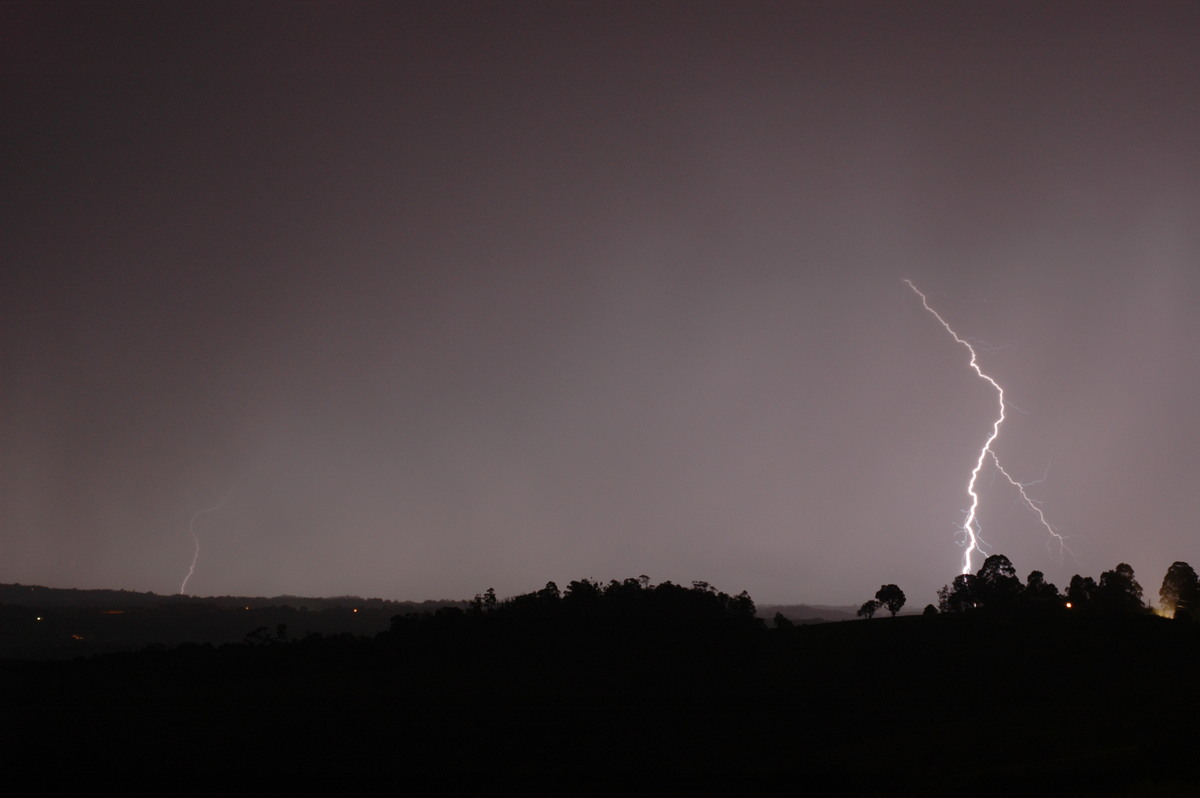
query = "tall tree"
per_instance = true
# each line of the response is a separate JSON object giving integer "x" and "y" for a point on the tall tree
{"x": 960, "y": 595}
{"x": 1039, "y": 593}
{"x": 1180, "y": 590}
{"x": 891, "y": 597}
{"x": 1119, "y": 590}
{"x": 1080, "y": 591}
{"x": 998, "y": 584}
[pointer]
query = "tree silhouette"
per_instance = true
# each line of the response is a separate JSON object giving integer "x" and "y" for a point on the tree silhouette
{"x": 960, "y": 595}
{"x": 1180, "y": 590}
{"x": 1040, "y": 594}
{"x": 1119, "y": 591}
{"x": 1080, "y": 591}
{"x": 891, "y": 598}
{"x": 867, "y": 610}
{"x": 997, "y": 584}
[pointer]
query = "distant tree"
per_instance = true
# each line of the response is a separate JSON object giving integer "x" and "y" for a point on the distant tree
{"x": 930, "y": 610}
{"x": 997, "y": 584}
{"x": 781, "y": 621}
{"x": 742, "y": 606}
{"x": 943, "y": 595}
{"x": 483, "y": 602}
{"x": 625, "y": 589}
{"x": 584, "y": 590}
{"x": 1040, "y": 594}
{"x": 1080, "y": 591}
{"x": 1119, "y": 591}
{"x": 891, "y": 598}
{"x": 867, "y": 610}
{"x": 257, "y": 636}
{"x": 960, "y": 595}
{"x": 1180, "y": 590}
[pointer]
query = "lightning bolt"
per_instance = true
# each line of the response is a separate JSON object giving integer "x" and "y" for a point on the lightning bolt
{"x": 971, "y": 527}
{"x": 196, "y": 538}
{"x": 1054, "y": 535}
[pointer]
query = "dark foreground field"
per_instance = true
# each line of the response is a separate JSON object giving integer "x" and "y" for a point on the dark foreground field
{"x": 910, "y": 706}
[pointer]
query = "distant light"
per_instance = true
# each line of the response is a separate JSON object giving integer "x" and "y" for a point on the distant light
{"x": 1068, "y": 605}
{"x": 39, "y": 617}
{"x": 246, "y": 607}
{"x": 356, "y": 609}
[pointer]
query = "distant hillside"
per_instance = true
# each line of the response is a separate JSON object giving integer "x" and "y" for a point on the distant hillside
{"x": 53, "y": 623}
{"x": 807, "y": 613}
{"x": 37, "y": 596}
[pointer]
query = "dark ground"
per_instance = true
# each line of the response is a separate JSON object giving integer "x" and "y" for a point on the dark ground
{"x": 1066, "y": 705}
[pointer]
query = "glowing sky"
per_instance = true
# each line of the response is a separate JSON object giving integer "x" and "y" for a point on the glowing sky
{"x": 445, "y": 296}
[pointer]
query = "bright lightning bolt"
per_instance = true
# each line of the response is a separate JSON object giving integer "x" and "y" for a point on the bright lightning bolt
{"x": 196, "y": 538}
{"x": 971, "y": 527}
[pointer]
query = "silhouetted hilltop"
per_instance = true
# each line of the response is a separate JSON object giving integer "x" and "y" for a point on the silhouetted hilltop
{"x": 629, "y": 688}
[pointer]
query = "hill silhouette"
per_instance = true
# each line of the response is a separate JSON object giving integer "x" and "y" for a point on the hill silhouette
{"x": 38, "y": 622}
{"x": 634, "y": 687}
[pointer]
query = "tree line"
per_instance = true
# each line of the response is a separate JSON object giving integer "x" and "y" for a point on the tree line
{"x": 996, "y": 587}
{"x": 588, "y": 606}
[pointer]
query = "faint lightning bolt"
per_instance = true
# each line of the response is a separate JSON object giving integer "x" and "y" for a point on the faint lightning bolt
{"x": 1063, "y": 548}
{"x": 196, "y": 538}
{"x": 971, "y": 526}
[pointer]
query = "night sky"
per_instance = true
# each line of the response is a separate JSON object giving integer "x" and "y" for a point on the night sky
{"x": 440, "y": 296}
